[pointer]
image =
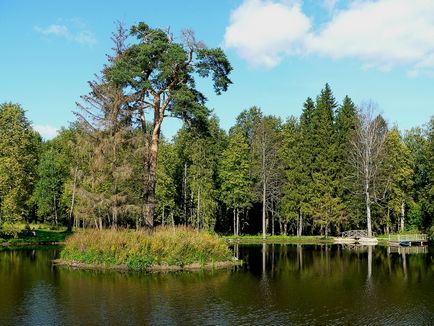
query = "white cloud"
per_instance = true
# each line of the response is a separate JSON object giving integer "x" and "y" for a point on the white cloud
{"x": 330, "y": 5}
{"x": 84, "y": 37}
{"x": 263, "y": 31}
{"x": 381, "y": 34}
{"x": 46, "y": 131}
{"x": 59, "y": 30}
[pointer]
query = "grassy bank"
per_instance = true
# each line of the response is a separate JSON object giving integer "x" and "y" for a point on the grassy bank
{"x": 163, "y": 249}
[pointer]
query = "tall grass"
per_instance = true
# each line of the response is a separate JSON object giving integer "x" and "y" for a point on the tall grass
{"x": 140, "y": 250}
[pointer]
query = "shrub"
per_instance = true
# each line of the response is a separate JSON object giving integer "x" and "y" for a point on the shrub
{"x": 9, "y": 230}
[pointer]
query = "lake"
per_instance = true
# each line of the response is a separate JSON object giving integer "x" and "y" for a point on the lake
{"x": 277, "y": 285}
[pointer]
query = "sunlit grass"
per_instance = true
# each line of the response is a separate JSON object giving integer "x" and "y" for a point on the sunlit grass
{"x": 138, "y": 250}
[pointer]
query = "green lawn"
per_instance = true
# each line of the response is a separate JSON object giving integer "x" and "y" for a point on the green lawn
{"x": 43, "y": 236}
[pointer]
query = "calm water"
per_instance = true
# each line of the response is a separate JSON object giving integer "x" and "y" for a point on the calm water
{"x": 279, "y": 285}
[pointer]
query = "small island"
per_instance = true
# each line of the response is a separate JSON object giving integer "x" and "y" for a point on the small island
{"x": 164, "y": 249}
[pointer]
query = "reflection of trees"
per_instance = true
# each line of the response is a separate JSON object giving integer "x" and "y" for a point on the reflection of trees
{"x": 21, "y": 274}
{"x": 289, "y": 280}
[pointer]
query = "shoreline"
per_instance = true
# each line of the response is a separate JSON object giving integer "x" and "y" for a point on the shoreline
{"x": 32, "y": 244}
{"x": 151, "y": 269}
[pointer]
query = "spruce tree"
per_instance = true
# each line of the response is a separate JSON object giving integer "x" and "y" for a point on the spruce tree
{"x": 305, "y": 153}
{"x": 327, "y": 206}
{"x": 345, "y": 125}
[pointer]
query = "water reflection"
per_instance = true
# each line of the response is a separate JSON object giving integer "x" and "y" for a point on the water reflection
{"x": 278, "y": 284}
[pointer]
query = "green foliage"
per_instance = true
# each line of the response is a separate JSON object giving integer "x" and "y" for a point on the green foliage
{"x": 52, "y": 172}
{"x": 158, "y": 75}
{"x": 291, "y": 154}
{"x": 420, "y": 142}
{"x": 10, "y": 230}
{"x": 428, "y": 202}
{"x": 235, "y": 178}
{"x": 345, "y": 125}
{"x": 326, "y": 204}
{"x": 139, "y": 250}
{"x": 168, "y": 163}
{"x": 398, "y": 173}
{"x": 155, "y": 65}
{"x": 19, "y": 148}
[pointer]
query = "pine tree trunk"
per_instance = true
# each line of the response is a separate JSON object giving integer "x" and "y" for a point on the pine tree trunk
{"x": 150, "y": 176}
{"x": 272, "y": 222}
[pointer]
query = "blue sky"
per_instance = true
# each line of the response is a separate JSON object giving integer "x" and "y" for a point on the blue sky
{"x": 282, "y": 52}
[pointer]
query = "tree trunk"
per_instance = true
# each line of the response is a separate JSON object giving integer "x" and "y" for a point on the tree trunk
{"x": 55, "y": 209}
{"x": 300, "y": 224}
{"x": 185, "y": 193}
{"x": 238, "y": 222}
{"x": 368, "y": 209}
{"x": 172, "y": 218}
{"x": 235, "y": 223}
{"x": 198, "y": 208}
{"x": 368, "y": 215}
{"x": 71, "y": 211}
{"x": 150, "y": 176}
{"x": 402, "y": 216}
{"x": 272, "y": 222}
{"x": 264, "y": 230}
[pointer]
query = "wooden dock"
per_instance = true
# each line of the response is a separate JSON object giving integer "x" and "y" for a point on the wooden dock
{"x": 356, "y": 237}
{"x": 408, "y": 240}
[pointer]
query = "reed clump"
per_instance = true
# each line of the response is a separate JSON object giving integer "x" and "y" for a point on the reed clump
{"x": 140, "y": 250}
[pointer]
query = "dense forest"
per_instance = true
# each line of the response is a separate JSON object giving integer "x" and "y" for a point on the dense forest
{"x": 336, "y": 167}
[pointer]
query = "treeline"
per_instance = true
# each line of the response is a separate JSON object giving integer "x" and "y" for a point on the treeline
{"x": 334, "y": 168}
{"x": 306, "y": 175}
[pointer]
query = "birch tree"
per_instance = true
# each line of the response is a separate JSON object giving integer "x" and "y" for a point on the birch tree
{"x": 267, "y": 166}
{"x": 367, "y": 156}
